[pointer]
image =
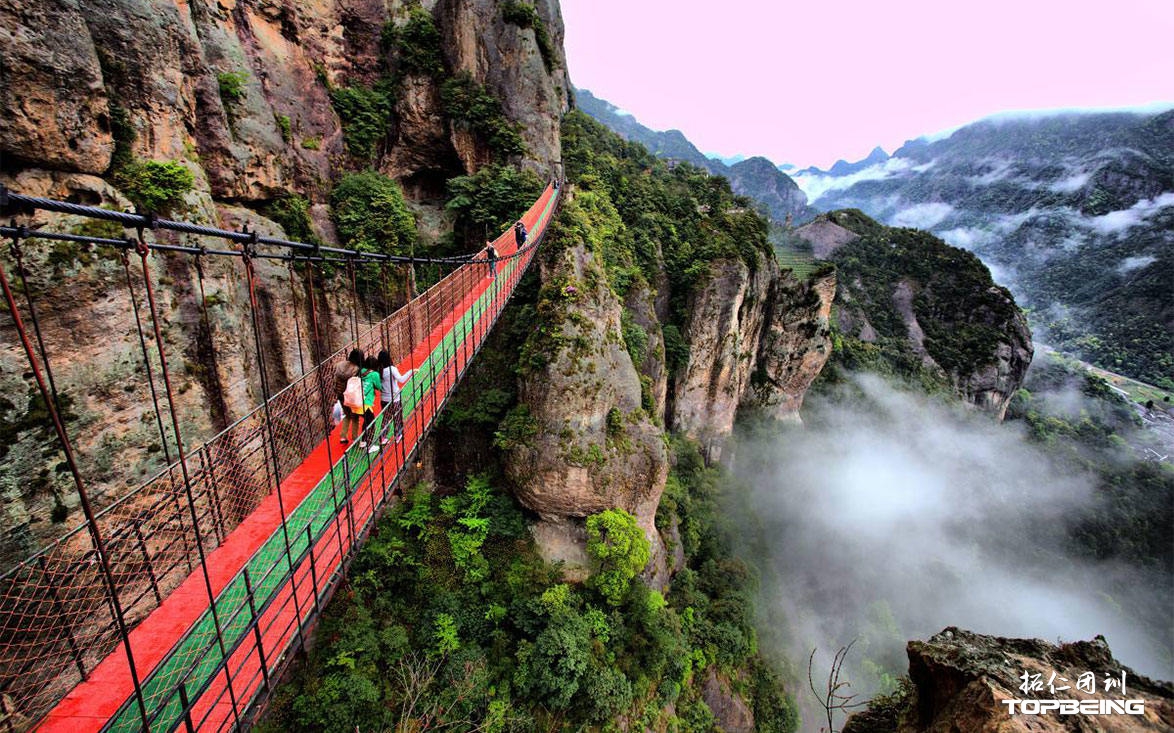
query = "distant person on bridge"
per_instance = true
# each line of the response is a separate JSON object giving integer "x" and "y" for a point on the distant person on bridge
{"x": 491, "y": 258}
{"x": 520, "y": 233}
{"x": 393, "y": 384}
{"x": 371, "y": 385}
{"x": 342, "y": 374}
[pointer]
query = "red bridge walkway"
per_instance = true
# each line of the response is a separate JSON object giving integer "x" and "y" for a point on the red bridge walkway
{"x": 202, "y": 666}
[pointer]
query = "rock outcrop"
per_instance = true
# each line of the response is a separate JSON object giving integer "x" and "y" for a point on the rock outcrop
{"x": 959, "y": 680}
{"x": 589, "y": 446}
{"x": 730, "y": 711}
{"x": 592, "y": 435}
{"x": 924, "y": 308}
{"x": 757, "y": 339}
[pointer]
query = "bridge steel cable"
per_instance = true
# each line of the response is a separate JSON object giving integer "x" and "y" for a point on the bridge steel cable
{"x": 275, "y": 508}
{"x": 13, "y": 201}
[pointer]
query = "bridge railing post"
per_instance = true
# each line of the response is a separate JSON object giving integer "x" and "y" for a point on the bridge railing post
{"x": 256, "y": 624}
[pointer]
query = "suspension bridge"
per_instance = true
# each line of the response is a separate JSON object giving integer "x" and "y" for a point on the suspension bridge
{"x": 178, "y": 606}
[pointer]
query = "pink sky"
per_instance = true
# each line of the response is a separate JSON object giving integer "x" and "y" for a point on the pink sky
{"x": 809, "y": 83}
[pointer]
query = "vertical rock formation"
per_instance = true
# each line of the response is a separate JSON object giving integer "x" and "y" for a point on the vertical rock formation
{"x": 757, "y": 339}
{"x": 590, "y": 446}
{"x": 590, "y": 434}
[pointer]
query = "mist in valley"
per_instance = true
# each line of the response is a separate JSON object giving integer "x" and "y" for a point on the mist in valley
{"x": 890, "y": 516}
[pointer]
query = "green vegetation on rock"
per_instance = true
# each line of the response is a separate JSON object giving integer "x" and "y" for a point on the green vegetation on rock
{"x": 950, "y": 293}
{"x": 415, "y": 43}
{"x": 618, "y": 550}
{"x": 232, "y": 86}
{"x": 525, "y": 15}
{"x": 491, "y": 200}
{"x": 469, "y": 104}
{"x": 155, "y": 185}
{"x": 365, "y": 113}
{"x": 371, "y": 214}
{"x": 292, "y": 212}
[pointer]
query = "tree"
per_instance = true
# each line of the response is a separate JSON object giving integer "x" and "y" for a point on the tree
{"x": 618, "y": 550}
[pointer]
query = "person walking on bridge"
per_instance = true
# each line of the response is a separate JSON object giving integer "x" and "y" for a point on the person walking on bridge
{"x": 491, "y": 258}
{"x": 520, "y": 233}
{"x": 371, "y": 385}
{"x": 342, "y": 374}
{"x": 393, "y": 384}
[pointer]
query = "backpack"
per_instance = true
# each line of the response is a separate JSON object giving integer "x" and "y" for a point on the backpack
{"x": 353, "y": 396}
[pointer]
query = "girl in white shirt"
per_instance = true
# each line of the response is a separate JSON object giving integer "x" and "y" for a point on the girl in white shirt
{"x": 393, "y": 382}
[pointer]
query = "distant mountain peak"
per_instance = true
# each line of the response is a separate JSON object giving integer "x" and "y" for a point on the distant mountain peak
{"x": 755, "y": 177}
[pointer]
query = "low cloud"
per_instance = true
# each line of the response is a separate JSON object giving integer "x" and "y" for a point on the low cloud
{"x": 1118, "y": 221}
{"x": 816, "y": 185}
{"x": 922, "y": 216}
{"x": 967, "y": 237}
{"x": 1071, "y": 183}
{"x": 999, "y": 169}
{"x": 1135, "y": 263}
{"x": 891, "y": 516}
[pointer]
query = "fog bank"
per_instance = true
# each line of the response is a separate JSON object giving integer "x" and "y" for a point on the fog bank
{"x": 891, "y": 516}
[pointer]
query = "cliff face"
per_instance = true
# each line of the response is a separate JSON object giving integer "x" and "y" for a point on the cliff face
{"x": 239, "y": 93}
{"x": 757, "y": 339}
{"x": 596, "y": 399}
{"x": 959, "y": 679}
{"x": 76, "y": 72}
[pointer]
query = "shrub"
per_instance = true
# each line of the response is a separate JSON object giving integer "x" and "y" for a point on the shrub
{"x": 416, "y": 44}
{"x": 232, "y": 86}
{"x": 365, "y": 113}
{"x": 292, "y": 212}
{"x": 517, "y": 429}
{"x": 371, "y": 215}
{"x": 155, "y": 185}
{"x": 286, "y": 126}
{"x": 491, "y": 199}
{"x": 312, "y": 143}
{"x": 635, "y": 338}
{"x": 618, "y": 550}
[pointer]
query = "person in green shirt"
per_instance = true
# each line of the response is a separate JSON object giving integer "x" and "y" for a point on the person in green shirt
{"x": 372, "y": 383}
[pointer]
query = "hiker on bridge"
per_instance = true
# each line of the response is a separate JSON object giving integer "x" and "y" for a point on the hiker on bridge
{"x": 393, "y": 384}
{"x": 491, "y": 258}
{"x": 342, "y": 376}
{"x": 371, "y": 385}
{"x": 520, "y": 233}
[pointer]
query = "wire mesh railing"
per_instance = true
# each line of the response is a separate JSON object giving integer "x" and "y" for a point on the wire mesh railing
{"x": 57, "y": 619}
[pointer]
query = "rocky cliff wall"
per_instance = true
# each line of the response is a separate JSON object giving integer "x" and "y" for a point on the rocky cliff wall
{"x": 591, "y": 429}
